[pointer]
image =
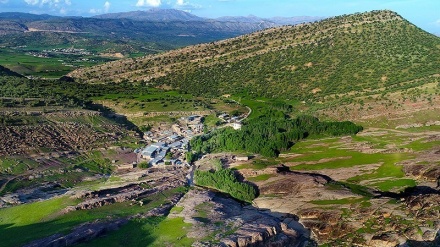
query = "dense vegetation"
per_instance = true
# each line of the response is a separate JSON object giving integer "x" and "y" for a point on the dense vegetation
{"x": 270, "y": 134}
{"x": 335, "y": 57}
{"x": 225, "y": 181}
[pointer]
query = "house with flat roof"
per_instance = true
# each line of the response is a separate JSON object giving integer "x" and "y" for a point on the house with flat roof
{"x": 176, "y": 145}
{"x": 174, "y": 138}
{"x": 149, "y": 152}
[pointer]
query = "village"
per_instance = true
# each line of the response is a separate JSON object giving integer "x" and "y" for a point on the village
{"x": 168, "y": 146}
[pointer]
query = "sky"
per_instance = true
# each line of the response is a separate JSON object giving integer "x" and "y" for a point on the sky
{"x": 423, "y": 13}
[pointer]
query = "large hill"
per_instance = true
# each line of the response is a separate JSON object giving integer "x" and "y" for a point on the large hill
{"x": 376, "y": 50}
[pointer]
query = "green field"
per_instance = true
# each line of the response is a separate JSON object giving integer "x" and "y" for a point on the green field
{"x": 42, "y": 219}
{"x": 53, "y": 67}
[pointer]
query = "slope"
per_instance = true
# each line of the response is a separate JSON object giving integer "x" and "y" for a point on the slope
{"x": 341, "y": 55}
{"x": 7, "y": 72}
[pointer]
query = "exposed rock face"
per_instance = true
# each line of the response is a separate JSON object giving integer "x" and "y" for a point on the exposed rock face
{"x": 129, "y": 192}
{"x": 294, "y": 183}
{"x": 229, "y": 223}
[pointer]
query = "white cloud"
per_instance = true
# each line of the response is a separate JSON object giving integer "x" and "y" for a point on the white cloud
{"x": 437, "y": 22}
{"x": 68, "y": 2}
{"x": 46, "y": 2}
{"x": 180, "y": 2}
{"x": 107, "y": 6}
{"x": 151, "y": 3}
{"x": 32, "y": 2}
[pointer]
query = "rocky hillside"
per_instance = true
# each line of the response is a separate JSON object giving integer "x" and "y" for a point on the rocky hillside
{"x": 376, "y": 50}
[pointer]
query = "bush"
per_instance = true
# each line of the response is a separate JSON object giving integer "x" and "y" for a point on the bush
{"x": 226, "y": 181}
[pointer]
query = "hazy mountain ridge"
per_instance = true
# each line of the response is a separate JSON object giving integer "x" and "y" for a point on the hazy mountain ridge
{"x": 338, "y": 55}
{"x": 161, "y": 19}
{"x": 157, "y": 15}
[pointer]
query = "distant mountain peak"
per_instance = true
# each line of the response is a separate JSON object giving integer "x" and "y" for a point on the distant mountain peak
{"x": 154, "y": 14}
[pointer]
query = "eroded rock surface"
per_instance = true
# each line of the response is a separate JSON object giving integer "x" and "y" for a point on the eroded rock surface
{"x": 227, "y": 222}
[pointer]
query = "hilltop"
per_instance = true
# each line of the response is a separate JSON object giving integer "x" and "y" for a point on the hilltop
{"x": 343, "y": 55}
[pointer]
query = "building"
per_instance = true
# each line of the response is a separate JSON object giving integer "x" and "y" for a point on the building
{"x": 155, "y": 162}
{"x": 176, "y": 145}
{"x": 153, "y": 150}
{"x": 149, "y": 152}
{"x": 224, "y": 116}
{"x": 242, "y": 158}
{"x": 237, "y": 126}
{"x": 174, "y": 138}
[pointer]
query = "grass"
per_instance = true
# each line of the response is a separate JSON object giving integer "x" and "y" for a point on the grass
{"x": 261, "y": 178}
{"x": 22, "y": 63}
{"x": 339, "y": 157}
{"x": 32, "y": 213}
{"x": 16, "y": 166}
{"x": 399, "y": 184}
{"x": 258, "y": 164}
{"x": 153, "y": 231}
{"x": 211, "y": 121}
{"x": 40, "y": 219}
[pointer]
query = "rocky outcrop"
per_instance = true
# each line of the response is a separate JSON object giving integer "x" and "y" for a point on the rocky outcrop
{"x": 229, "y": 223}
{"x": 94, "y": 199}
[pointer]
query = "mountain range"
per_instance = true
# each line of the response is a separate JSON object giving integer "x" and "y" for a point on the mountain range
{"x": 164, "y": 27}
{"x": 168, "y": 15}
{"x": 138, "y": 24}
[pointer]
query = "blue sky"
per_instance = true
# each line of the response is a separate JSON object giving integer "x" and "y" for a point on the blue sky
{"x": 423, "y": 13}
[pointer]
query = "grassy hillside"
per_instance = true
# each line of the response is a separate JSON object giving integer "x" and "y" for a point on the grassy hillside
{"x": 347, "y": 54}
{"x": 7, "y": 72}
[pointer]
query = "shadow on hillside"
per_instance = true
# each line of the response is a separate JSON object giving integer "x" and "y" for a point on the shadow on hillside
{"x": 434, "y": 243}
{"x": 112, "y": 115}
{"x": 59, "y": 233}
{"x": 412, "y": 191}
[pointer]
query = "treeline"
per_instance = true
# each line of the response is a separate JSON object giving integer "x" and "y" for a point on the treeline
{"x": 270, "y": 134}
{"x": 225, "y": 180}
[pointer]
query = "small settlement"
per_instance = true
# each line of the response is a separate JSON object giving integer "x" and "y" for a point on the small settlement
{"x": 168, "y": 147}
